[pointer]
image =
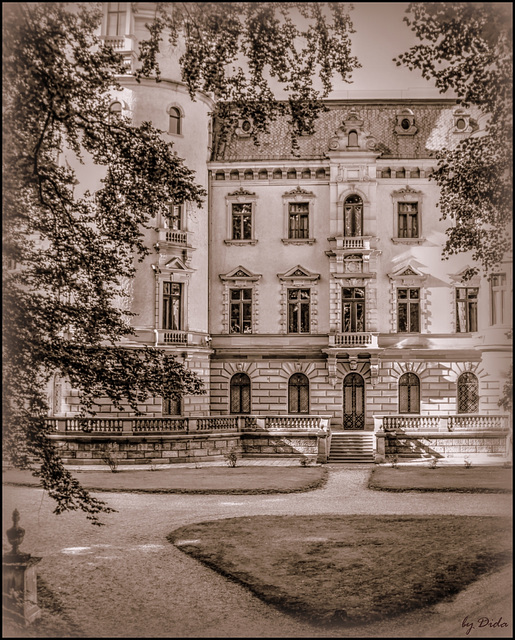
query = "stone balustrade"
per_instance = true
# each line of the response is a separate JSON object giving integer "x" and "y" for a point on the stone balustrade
{"x": 445, "y": 423}
{"x": 191, "y": 424}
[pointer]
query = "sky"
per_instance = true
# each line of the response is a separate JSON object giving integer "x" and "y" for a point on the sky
{"x": 380, "y": 36}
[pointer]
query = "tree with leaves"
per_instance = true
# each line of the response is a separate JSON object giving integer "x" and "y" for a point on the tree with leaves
{"x": 65, "y": 253}
{"x": 258, "y": 59}
{"x": 467, "y": 47}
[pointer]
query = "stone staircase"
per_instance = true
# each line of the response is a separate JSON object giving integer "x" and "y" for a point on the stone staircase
{"x": 352, "y": 446}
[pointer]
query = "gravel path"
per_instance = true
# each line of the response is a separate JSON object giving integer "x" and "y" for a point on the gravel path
{"x": 126, "y": 580}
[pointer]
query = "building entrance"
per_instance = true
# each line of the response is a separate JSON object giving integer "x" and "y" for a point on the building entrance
{"x": 353, "y": 402}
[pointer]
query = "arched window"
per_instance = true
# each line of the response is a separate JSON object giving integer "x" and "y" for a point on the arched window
{"x": 409, "y": 393}
{"x": 115, "y": 110}
{"x": 468, "y": 395}
{"x": 353, "y": 216}
{"x": 240, "y": 393}
{"x": 353, "y": 139}
{"x": 175, "y": 121}
{"x": 298, "y": 393}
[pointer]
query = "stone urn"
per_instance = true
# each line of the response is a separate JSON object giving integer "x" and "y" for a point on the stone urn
{"x": 15, "y": 535}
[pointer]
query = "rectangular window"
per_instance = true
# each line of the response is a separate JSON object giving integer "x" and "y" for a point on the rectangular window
{"x": 353, "y": 309}
{"x": 408, "y": 310}
{"x": 298, "y": 225}
{"x": 116, "y": 18}
{"x": 298, "y": 311}
{"x": 498, "y": 298}
{"x": 242, "y": 221}
{"x": 174, "y": 218}
{"x": 408, "y": 220}
{"x": 241, "y": 311}
{"x": 466, "y": 309}
{"x": 172, "y": 305}
{"x": 171, "y": 407}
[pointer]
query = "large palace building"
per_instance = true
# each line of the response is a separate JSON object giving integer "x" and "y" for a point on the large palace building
{"x": 311, "y": 289}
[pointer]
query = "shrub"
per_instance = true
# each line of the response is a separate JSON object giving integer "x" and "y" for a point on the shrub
{"x": 394, "y": 461}
{"x": 305, "y": 462}
{"x": 109, "y": 453}
{"x": 231, "y": 457}
{"x": 433, "y": 464}
{"x": 468, "y": 463}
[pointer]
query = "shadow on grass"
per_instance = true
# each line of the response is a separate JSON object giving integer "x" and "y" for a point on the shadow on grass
{"x": 331, "y": 570}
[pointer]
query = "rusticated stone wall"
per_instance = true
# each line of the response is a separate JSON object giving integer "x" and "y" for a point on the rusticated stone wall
{"x": 172, "y": 449}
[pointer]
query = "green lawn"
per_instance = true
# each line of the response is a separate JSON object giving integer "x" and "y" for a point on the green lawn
{"x": 333, "y": 569}
{"x": 228, "y": 480}
{"x": 479, "y": 479}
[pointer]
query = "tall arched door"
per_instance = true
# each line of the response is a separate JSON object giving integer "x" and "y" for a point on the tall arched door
{"x": 353, "y": 402}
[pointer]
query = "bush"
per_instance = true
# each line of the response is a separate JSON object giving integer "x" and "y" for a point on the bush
{"x": 110, "y": 455}
{"x": 231, "y": 457}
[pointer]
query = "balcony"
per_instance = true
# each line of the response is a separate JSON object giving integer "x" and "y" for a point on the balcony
{"x": 166, "y": 336}
{"x": 126, "y": 47}
{"x": 354, "y": 242}
{"x": 360, "y": 340}
{"x": 174, "y": 237}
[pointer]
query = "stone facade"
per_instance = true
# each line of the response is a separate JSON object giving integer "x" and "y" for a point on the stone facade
{"x": 350, "y": 225}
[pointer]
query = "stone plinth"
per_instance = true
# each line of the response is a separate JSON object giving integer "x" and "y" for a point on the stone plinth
{"x": 19, "y": 587}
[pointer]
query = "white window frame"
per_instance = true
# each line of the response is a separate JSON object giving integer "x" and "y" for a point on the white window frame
{"x": 240, "y": 196}
{"x": 298, "y": 195}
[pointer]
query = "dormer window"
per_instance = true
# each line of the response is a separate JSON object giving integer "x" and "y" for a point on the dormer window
{"x": 353, "y": 139}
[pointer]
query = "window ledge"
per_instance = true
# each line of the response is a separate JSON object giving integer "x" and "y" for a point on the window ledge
{"x": 241, "y": 243}
{"x": 408, "y": 240}
{"x": 175, "y": 135}
{"x": 298, "y": 241}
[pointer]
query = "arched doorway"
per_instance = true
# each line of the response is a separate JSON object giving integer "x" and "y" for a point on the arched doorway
{"x": 353, "y": 402}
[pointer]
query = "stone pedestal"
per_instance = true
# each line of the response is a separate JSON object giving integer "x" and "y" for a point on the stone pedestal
{"x": 19, "y": 584}
{"x": 19, "y": 587}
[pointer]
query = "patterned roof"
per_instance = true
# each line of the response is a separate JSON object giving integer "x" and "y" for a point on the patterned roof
{"x": 434, "y": 121}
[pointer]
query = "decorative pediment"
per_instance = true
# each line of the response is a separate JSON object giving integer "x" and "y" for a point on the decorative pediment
{"x": 351, "y": 136}
{"x": 406, "y": 192}
{"x": 298, "y": 191}
{"x": 408, "y": 274}
{"x": 240, "y": 273}
{"x": 298, "y": 273}
{"x": 176, "y": 264}
{"x": 457, "y": 278}
{"x": 240, "y": 192}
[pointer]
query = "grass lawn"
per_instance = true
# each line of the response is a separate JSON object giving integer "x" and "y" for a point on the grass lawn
{"x": 227, "y": 480}
{"x": 333, "y": 569}
{"x": 472, "y": 480}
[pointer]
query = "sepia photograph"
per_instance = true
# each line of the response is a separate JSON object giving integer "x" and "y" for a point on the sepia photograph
{"x": 257, "y": 296}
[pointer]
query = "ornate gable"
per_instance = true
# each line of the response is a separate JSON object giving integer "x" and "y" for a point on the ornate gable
{"x": 298, "y": 273}
{"x": 240, "y": 273}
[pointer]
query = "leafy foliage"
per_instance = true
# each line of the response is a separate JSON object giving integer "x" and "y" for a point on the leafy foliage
{"x": 467, "y": 47}
{"x": 66, "y": 254}
{"x": 244, "y": 53}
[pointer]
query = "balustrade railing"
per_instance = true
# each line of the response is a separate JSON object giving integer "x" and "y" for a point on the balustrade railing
{"x": 474, "y": 421}
{"x": 173, "y": 337}
{"x": 292, "y": 422}
{"x": 363, "y": 339}
{"x": 160, "y": 425}
{"x": 470, "y": 422}
{"x": 217, "y": 423}
{"x": 191, "y": 424}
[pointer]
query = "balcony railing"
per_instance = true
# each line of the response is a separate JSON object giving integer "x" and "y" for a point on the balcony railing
{"x": 174, "y": 236}
{"x": 355, "y": 242}
{"x": 353, "y": 340}
{"x": 445, "y": 423}
{"x": 167, "y": 336}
